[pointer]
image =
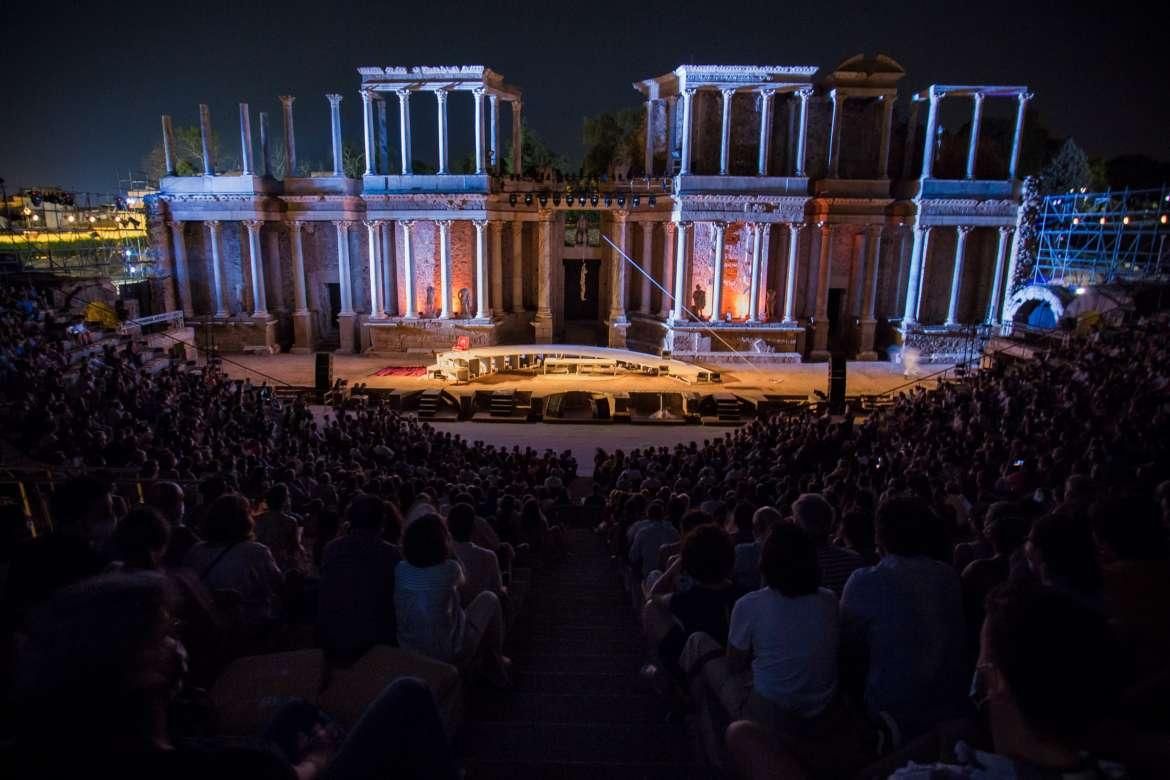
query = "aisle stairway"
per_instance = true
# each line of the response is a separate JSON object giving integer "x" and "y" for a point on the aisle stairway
{"x": 577, "y": 708}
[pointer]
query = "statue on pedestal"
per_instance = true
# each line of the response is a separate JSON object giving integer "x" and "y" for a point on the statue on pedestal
{"x": 430, "y": 308}
{"x": 464, "y": 302}
{"x": 699, "y": 301}
{"x": 770, "y": 306}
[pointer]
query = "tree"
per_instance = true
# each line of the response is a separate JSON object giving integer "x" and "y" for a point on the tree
{"x": 613, "y": 142}
{"x": 1068, "y": 170}
{"x": 536, "y": 158}
{"x": 188, "y": 154}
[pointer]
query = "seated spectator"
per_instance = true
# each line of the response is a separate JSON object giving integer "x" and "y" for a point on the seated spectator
{"x": 140, "y": 539}
{"x": 168, "y": 498}
{"x": 739, "y": 524}
{"x": 746, "y": 572}
{"x": 815, "y": 515}
{"x": 481, "y": 568}
{"x": 356, "y": 591}
{"x": 280, "y": 531}
{"x": 1006, "y": 530}
{"x": 902, "y": 623}
{"x": 857, "y": 535}
{"x": 1061, "y": 554}
{"x": 653, "y": 534}
{"x": 431, "y": 618}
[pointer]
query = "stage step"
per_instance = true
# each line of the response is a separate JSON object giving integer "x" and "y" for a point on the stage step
{"x": 429, "y": 403}
{"x": 727, "y": 407}
{"x": 503, "y": 403}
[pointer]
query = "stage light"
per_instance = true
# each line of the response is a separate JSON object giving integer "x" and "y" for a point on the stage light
{"x": 512, "y": 199}
{"x": 528, "y": 199}
{"x": 543, "y": 199}
{"x": 569, "y": 200}
{"x": 71, "y": 218}
{"x": 637, "y": 201}
{"x": 1163, "y": 219}
{"x": 556, "y": 199}
{"x": 621, "y": 200}
{"x": 92, "y": 219}
{"x": 608, "y": 200}
{"x": 593, "y": 199}
{"x": 652, "y": 201}
{"x": 1125, "y": 220}
{"x": 1081, "y": 291}
{"x": 36, "y": 217}
{"x": 27, "y": 211}
{"x": 1076, "y": 220}
{"x": 1102, "y": 220}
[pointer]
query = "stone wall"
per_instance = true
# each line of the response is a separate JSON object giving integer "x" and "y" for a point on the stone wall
{"x": 425, "y": 335}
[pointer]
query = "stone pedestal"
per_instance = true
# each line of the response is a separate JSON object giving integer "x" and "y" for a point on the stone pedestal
{"x": 866, "y": 343}
{"x": 303, "y": 341}
{"x": 347, "y": 333}
{"x": 617, "y": 333}
{"x": 236, "y": 335}
{"x": 542, "y": 330}
{"x": 820, "y": 349}
{"x": 396, "y": 335}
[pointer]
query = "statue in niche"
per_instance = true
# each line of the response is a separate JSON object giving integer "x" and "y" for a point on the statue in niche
{"x": 584, "y": 276}
{"x": 464, "y": 302}
{"x": 770, "y": 306}
{"x": 699, "y": 301}
{"x": 582, "y": 235}
{"x": 430, "y": 309}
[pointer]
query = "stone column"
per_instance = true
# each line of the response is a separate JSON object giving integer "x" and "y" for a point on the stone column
{"x": 170, "y": 280}
{"x": 765, "y": 131}
{"x": 646, "y": 265}
{"x": 441, "y": 100}
{"x": 182, "y": 271}
{"x": 917, "y": 269}
{"x": 957, "y": 275}
{"x": 1018, "y": 136}
{"x": 821, "y": 312}
{"x": 265, "y": 147}
{"x": 218, "y": 297}
{"x": 497, "y": 277}
{"x": 794, "y": 229}
{"x": 685, "y": 161}
{"x": 290, "y": 140}
{"x": 765, "y": 273}
{"x": 649, "y": 152}
{"x": 389, "y": 275}
{"x": 494, "y": 134}
{"x": 205, "y": 140}
{"x": 668, "y": 240}
{"x": 542, "y": 323}
{"x": 335, "y": 130}
{"x": 671, "y": 141}
{"x": 680, "y": 273}
{"x": 477, "y": 95}
{"x": 168, "y": 146}
{"x": 302, "y": 319}
{"x": 445, "y": 291}
{"x": 374, "y": 252}
{"x": 911, "y": 134}
{"x": 256, "y": 265}
{"x": 929, "y": 142}
{"x": 245, "y": 140}
{"x": 873, "y": 237}
{"x": 802, "y": 135}
{"x": 973, "y": 142}
{"x": 382, "y": 163}
{"x": 408, "y": 270}
{"x": 517, "y": 266}
{"x": 838, "y": 99}
{"x": 617, "y": 298}
{"x": 717, "y": 276}
{"x": 754, "y": 285}
{"x": 345, "y": 317}
{"x": 517, "y": 139}
{"x": 404, "y": 131}
{"x": 369, "y": 132}
{"x": 997, "y": 282}
{"x": 884, "y": 146}
{"x": 481, "y": 271}
{"x": 725, "y": 133}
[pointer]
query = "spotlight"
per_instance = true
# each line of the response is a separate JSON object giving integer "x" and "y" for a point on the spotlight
{"x": 71, "y": 219}
{"x": 1163, "y": 219}
{"x": 652, "y": 201}
{"x": 556, "y": 199}
{"x": 1102, "y": 220}
{"x": 621, "y": 200}
{"x": 569, "y": 199}
{"x": 543, "y": 198}
{"x": 637, "y": 201}
{"x": 36, "y": 217}
{"x": 608, "y": 200}
{"x": 528, "y": 199}
{"x": 593, "y": 199}
{"x": 512, "y": 199}
{"x": 92, "y": 219}
{"x": 1081, "y": 291}
{"x": 1076, "y": 220}
{"x": 1125, "y": 220}
{"x": 27, "y": 211}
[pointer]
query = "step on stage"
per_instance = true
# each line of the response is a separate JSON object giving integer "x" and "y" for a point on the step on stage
{"x": 565, "y": 359}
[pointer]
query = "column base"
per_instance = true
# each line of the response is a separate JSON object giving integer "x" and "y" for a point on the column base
{"x": 542, "y": 329}
{"x": 820, "y": 340}
{"x": 346, "y": 333}
{"x": 865, "y": 352}
{"x": 618, "y": 329}
{"x": 867, "y": 357}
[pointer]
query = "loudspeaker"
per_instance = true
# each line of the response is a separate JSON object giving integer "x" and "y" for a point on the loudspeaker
{"x": 837, "y": 384}
{"x": 323, "y": 376}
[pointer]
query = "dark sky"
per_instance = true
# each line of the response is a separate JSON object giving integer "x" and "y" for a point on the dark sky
{"x": 85, "y": 82}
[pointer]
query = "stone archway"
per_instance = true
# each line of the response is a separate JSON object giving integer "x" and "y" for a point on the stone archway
{"x": 1037, "y": 304}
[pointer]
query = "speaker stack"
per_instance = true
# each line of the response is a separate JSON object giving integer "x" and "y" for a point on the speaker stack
{"x": 837, "y": 384}
{"x": 323, "y": 376}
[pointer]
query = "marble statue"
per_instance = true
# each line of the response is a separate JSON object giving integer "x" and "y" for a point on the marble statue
{"x": 770, "y": 306}
{"x": 699, "y": 300}
{"x": 430, "y": 309}
{"x": 464, "y": 302}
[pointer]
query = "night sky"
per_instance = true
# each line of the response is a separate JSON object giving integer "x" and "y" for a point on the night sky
{"x": 85, "y": 82}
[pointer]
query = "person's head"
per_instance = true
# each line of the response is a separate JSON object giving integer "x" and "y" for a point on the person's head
{"x": 904, "y": 526}
{"x": 366, "y": 512}
{"x": 426, "y": 542}
{"x": 655, "y": 511}
{"x": 1061, "y": 552}
{"x": 741, "y": 517}
{"x": 788, "y": 561}
{"x": 168, "y": 498}
{"x": 141, "y": 538}
{"x": 84, "y": 507}
{"x": 677, "y": 506}
{"x": 1006, "y": 531}
{"x": 229, "y": 520}
{"x": 1047, "y": 663}
{"x": 1128, "y": 529}
{"x": 1078, "y": 487}
{"x": 708, "y": 554}
{"x": 277, "y": 497}
{"x": 815, "y": 515}
{"x": 693, "y": 519}
{"x": 461, "y": 522}
{"x": 763, "y": 519}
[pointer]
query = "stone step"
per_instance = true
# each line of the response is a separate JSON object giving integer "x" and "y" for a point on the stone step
{"x": 577, "y": 683}
{"x": 529, "y": 742}
{"x": 577, "y": 663}
{"x": 555, "y": 770}
{"x": 559, "y": 708}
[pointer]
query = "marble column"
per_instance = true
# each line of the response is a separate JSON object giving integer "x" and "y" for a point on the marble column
{"x": 668, "y": 240}
{"x": 768, "y": 311}
{"x": 445, "y": 291}
{"x": 382, "y": 162}
{"x": 290, "y": 139}
{"x": 494, "y": 134}
{"x": 542, "y": 323}
{"x": 374, "y": 253}
{"x": 218, "y": 278}
{"x": 917, "y": 270}
{"x": 335, "y": 132}
{"x": 911, "y": 138}
{"x": 168, "y": 279}
{"x": 408, "y": 280}
{"x": 931, "y": 139}
{"x": 404, "y": 131}
{"x": 957, "y": 274}
{"x": 649, "y": 151}
{"x": 680, "y": 272}
{"x": 687, "y": 116}
{"x": 182, "y": 271}
{"x": 497, "y": 276}
{"x": 886, "y": 128}
{"x": 246, "y": 168}
{"x": 369, "y": 132}
{"x": 794, "y": 229}
{"x": 343, "y": 268}
{"x": 302, "y": 318}
{"x": 725, "y": 133}
{"x": 973, "y": 142}
{"x": 821, "y": 312}
{"x": 441, "y": 101}
{"x": 617, "y": 298}
{"x": 517, "y": 266}
{"x": 646, "y": 265}
{"x": 517, "y": 139}
{"x": 838, "y": 99}
{"x": 256, "y": 265}
{"x": 802, "y": 134}
{"x": 265, "y": 147}
{"x": 717, "y": 275}
{"x": 1018, "y": 135}
{"x": 873, "y": 236}
{"x": 671, "y": 141}
{"x": 765, "y": 131}
{"x": 389, "y": 275}
{"x": 481, "y": 271}
{"x": 997, "y": 282}
{"x": 205, "y": 140}
{"x": 480, "y": 144}
{"x": 168, "y": 146}
{"x": 754, "y": 283}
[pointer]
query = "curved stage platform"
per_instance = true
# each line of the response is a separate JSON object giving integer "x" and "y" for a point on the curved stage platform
{"x": 569, "y": 359}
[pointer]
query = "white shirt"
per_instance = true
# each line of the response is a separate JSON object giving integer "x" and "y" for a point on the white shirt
{"x": 480, "y": 567}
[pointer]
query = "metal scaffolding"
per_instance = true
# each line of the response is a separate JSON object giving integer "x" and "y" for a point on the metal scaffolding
{"x": 1089, "y": 238}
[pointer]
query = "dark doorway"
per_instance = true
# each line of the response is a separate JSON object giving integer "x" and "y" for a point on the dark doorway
{"x": 581, "y": 289}
{"x": 334, "y": 291}
{"x": 838, "y": 333}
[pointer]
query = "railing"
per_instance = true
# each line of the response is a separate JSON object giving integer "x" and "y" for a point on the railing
{"x": 173, "y": 320}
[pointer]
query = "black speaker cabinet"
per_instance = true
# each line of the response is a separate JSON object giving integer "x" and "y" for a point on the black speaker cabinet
{"x": 837, "y": 384}
{"x": 323, "y": 376}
